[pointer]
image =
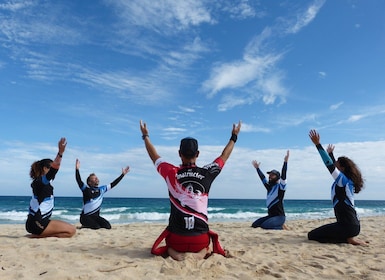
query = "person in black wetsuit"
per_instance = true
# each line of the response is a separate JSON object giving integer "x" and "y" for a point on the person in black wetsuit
{"x": 276, "y": 187}
{"x": 93, "y": 197}
{"x": 347, "y": 181}
{"x": 39, "y": 224}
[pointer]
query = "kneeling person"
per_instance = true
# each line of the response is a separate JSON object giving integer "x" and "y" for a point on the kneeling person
{"x": 93, "y": 197}
{"x": 188, "y": 187}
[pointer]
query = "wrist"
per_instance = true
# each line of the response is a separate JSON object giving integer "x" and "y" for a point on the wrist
{"x": 144, "y": 136}
{"x": 60, "y": 154}
{"x": 234, "y": 137}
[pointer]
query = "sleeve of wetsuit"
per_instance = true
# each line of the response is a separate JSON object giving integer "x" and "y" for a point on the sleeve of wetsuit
{"x": 78, "y": 178}
{"x": 263, "y": 178}
{"x": 117, "y": 180}
{"x": 331, "y": 155}
{"x": 260, "y": 174}
{"x": 284, "y": 169}
{"x": 326, "y": 158}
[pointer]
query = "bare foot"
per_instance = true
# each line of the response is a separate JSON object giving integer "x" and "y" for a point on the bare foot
{"x": 178, "y": 256}
{"x": 353, "y": 241}
{"x": 285, "y": 227}
{"x": 202, "y": 254}
{"x": 228, "y": 254}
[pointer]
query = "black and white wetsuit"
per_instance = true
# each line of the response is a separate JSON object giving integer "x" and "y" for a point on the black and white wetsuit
{"x": 42, "y": 202}
{"x": 92, "y": 202}
{"x": 274, "y": 202}
{"x": 342, "y": 195}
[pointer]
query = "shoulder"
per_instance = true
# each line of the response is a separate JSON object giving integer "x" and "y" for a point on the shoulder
{"x": 160, "y": 163}
{"x": 218, "y": 162}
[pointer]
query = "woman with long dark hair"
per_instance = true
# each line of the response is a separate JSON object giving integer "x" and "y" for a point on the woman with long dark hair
{"x": 347, "y": 181}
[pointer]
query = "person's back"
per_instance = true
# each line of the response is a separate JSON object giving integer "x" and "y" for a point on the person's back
{"x": 188, "y": 187}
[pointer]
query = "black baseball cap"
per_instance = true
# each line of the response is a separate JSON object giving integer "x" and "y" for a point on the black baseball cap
{"x": 188, "y": 147}
{"x": 275, "y": 172}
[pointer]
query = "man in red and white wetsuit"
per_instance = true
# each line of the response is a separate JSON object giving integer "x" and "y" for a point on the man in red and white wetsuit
{"x": 188, "y": 188}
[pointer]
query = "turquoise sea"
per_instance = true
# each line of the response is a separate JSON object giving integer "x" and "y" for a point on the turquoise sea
{"x": 14, "y": 209}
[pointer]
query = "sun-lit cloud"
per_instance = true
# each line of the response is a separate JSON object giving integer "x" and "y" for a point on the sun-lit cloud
{"x": 186, "y": 109}
{"x": 336, "y": 106}
{"x": 142, "y": 173}
{"x": 355, "y": 118}
{"x": 174, "y": 129}
{"x": 303, "y": 19}
{"x": 33, "y": 23}
{"x": 15, "y": 6}
{"x": 253, "y": 69}
{"x": 253, "y": 128}
{"x": 237, "y": 74}
{"x": 322, "y": 74}
{"x": 289, "y": 120}
{"x": 240, "y": 9}
{"x": 164, "y": 17}
{"x": 231, "y": 100}
{"x": 142, "y": 88}
{"x": 258, "y": 68}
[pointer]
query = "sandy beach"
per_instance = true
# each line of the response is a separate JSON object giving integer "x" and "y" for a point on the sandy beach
{"x": 124, "y": 253}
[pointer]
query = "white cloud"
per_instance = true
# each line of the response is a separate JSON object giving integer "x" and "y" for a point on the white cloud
{"x": 240, "y": 9}
{"x": 336, "y": 106}
{"x": 37, "y": 23}
{"x": 254, "y": 67}
{"x": 305, "y": 18}
{"x": 272, "y": 88}
{"x": 230, "y": 101}
{"x": 252, "y": 128}
{"x": 295, "y": 120}
{"x": 355, "y": 118}
{"x": 14, "y": 7}
{"x": 235, "y": 74}
{"x": 163, "y": 16}
{"x": 322, "y": 74}
{"x": 308, "y": 178}
{"x": 186, "y": 109}
{"x": 174, "y": 129}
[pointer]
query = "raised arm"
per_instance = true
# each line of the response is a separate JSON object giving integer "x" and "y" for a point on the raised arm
{"x": 284, "y": 167}
{"x": 256, "y": 165}
{"x": 230, "y": 145}
{"x": 330, "y": 150}
{"x": 57, "y": 161}
{"x": 61, "y": 148}
{"x": 149, "y": 147}
{"x": 77, "y": 174}
{"x": 117, "y": 180}
{"x": 315, "y": 138}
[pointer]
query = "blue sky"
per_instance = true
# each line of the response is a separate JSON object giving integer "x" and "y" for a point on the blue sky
{"x": 90, "y": 70}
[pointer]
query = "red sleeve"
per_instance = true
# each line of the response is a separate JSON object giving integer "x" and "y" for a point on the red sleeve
{"x": 220, "y": 162}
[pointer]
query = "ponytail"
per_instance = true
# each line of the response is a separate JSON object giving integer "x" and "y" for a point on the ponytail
{"x": 37, "y": 167}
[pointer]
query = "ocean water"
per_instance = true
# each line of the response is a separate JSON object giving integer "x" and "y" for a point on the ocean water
{"x": 14, "y": 209}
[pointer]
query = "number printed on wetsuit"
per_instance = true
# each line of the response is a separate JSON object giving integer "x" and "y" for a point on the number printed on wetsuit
{"x": 190, "y": 222}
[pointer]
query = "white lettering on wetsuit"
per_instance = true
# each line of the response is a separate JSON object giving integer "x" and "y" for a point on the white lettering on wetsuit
{"x": 190, "y": 174}
{"x": 190, "y": 222}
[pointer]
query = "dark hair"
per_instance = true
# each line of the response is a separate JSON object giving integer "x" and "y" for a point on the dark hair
{"x": 188, "y": 147}
{"x": 88, "y": 178}
{"x": 37, "y": 167}
{"x": 351, "y": 170}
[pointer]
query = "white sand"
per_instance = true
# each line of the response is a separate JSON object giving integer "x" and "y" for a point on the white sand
{"x": 124, "y": 253}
